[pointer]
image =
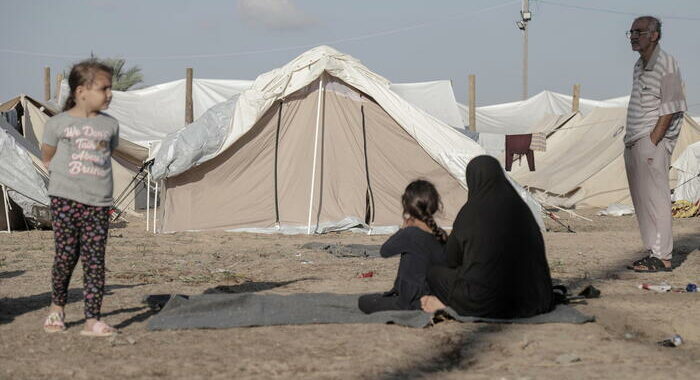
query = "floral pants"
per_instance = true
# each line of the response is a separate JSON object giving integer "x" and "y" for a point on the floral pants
{"x": 80, "y": 231}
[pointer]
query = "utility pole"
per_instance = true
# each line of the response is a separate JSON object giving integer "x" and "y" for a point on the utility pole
{"x": 525, "y": 17}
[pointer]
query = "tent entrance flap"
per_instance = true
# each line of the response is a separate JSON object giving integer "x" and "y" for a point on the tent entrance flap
{"x": 369, "y": 204}
{"x": 277, "y": 148}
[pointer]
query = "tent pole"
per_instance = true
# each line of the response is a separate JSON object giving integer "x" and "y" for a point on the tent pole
{"x": 155, "y": 208}
{"x": 7, "y": 207}
{"x": 313, "y": 168}
{"x": 59, "y": 80}
{"x": 148, "y": 191}
{"x": 47, "y": 83}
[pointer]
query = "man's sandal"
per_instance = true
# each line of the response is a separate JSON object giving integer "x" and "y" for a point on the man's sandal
{"x": 652, "y": 265}
{"x": 99, "y": 329}
{"x": 54, "y": 323}
{"x": 637, "y": 263}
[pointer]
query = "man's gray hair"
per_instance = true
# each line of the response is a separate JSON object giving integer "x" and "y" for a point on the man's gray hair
{"x": 653, "y": 22}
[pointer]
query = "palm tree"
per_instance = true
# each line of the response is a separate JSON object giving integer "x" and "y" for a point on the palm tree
{"x": 123, "y": 80}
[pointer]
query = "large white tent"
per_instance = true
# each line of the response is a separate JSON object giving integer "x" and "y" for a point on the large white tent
{"x": 319, "y": 144}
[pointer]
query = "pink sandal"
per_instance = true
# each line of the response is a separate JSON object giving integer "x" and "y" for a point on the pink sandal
{"x": 54, "y": 323}
{"x": 99, "y": 329}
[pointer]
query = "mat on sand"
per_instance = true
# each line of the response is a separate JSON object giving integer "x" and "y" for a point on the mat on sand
{"x": 345, "y": 250}
{"x": 252, "y": 309}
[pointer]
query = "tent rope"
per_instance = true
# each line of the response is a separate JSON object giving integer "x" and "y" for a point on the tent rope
{"x": 690, "y": 179}
{"x": 128, "y": 189}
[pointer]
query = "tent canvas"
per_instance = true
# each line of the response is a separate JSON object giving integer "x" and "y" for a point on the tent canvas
{"x": 687, "y": 166}
{"x": 522, "y": 116}
{"x": 584, "y": 165}
{"x": 436, "y": 98}
{"x": 322, "y": 122}
{"x": 126, "y": 160}
{"x": 24, "y": 180}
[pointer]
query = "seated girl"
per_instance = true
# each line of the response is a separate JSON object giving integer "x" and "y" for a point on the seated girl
{"x": 420, "y": 242}
{"x": 495, "y": 254}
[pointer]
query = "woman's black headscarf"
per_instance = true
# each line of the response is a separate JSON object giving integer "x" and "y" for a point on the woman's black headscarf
{"x": 498, "y": 250}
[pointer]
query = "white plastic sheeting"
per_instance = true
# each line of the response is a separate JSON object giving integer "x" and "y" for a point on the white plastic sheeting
{"x": 450, "y": 148}
{"x": 436, "y": 98}
{"x": 688, "y": 169}
{"x": 617, "y": 209}
{"x": 18, "y": 173}
{"x": 522, "y": 116}
{"x": 148, "y": 115}
{"x": 196, "y": 143}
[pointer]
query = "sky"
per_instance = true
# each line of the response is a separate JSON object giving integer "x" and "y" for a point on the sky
{"x": 570, "y": 41}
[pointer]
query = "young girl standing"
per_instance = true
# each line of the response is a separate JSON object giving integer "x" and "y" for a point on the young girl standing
{"x": 420, "y": 242}
{"x": 77, "y": 149}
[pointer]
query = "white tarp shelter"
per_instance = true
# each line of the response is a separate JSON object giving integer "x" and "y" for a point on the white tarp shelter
{"x": 584, "y": 165}
{"x": 24, "y": 182}
{"x": 149, "y": 114}
{"x": 436, "y": 98}
{"x": 320, "y": 144}
{"x": 493, "y": 122}
{"x": 687, "y": 166}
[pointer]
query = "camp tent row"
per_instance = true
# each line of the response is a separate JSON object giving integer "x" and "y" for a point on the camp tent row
{"x": 320, "y": 144}
{"x": 28, "y": 131}
{"x": 147, "y": 115}
{"x": 583, "y": 164}
{"x": 526, "y": 116}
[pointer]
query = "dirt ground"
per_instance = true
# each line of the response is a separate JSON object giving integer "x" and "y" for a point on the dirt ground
{"x": 621, "y": 344}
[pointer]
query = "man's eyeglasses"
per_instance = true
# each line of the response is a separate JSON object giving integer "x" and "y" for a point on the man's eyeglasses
{"x": 637, "y": 33}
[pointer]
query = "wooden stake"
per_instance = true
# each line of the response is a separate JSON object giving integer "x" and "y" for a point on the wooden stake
{"x": 472, "y": 102}
{"x": 47, "y": 84}
{"x": 189, "y": 111}
{"x": 576, "y": 98}
{"x": 59, "y": 80}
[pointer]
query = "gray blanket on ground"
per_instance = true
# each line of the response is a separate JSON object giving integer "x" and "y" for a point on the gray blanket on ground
{"x": 253, "y": 309}
{"x": 345, "y": 250}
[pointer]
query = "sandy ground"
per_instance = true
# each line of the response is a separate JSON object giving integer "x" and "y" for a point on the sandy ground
{"x": 621, "y": 344}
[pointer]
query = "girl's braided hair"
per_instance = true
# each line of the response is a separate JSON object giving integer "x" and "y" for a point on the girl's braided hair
{"x": 421, "y": 200}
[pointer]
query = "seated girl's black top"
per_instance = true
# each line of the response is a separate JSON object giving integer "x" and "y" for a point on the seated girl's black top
{"x": 419, "y": 251}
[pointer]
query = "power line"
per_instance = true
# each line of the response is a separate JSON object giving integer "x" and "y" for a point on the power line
{"x": 275, "y": 50}
{"x": 614, "y": 11}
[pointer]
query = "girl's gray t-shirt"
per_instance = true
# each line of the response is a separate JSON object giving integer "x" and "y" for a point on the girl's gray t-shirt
{"x": 81, "y": 169}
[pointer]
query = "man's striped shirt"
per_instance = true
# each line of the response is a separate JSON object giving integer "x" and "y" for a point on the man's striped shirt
{"x": 657, "y": 90}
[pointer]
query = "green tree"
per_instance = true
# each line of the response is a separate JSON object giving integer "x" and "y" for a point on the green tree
{"x": 123, "y": 79}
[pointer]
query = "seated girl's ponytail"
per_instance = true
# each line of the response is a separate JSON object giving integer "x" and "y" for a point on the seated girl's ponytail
{"x": 439, "y": 233}
{"x": 420, "y": 201}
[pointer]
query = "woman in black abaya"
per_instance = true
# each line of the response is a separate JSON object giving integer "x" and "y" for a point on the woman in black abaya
{"x": 496, "y": 256}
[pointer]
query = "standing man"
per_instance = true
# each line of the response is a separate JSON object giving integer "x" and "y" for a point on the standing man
{"x": 654, "y": 117}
